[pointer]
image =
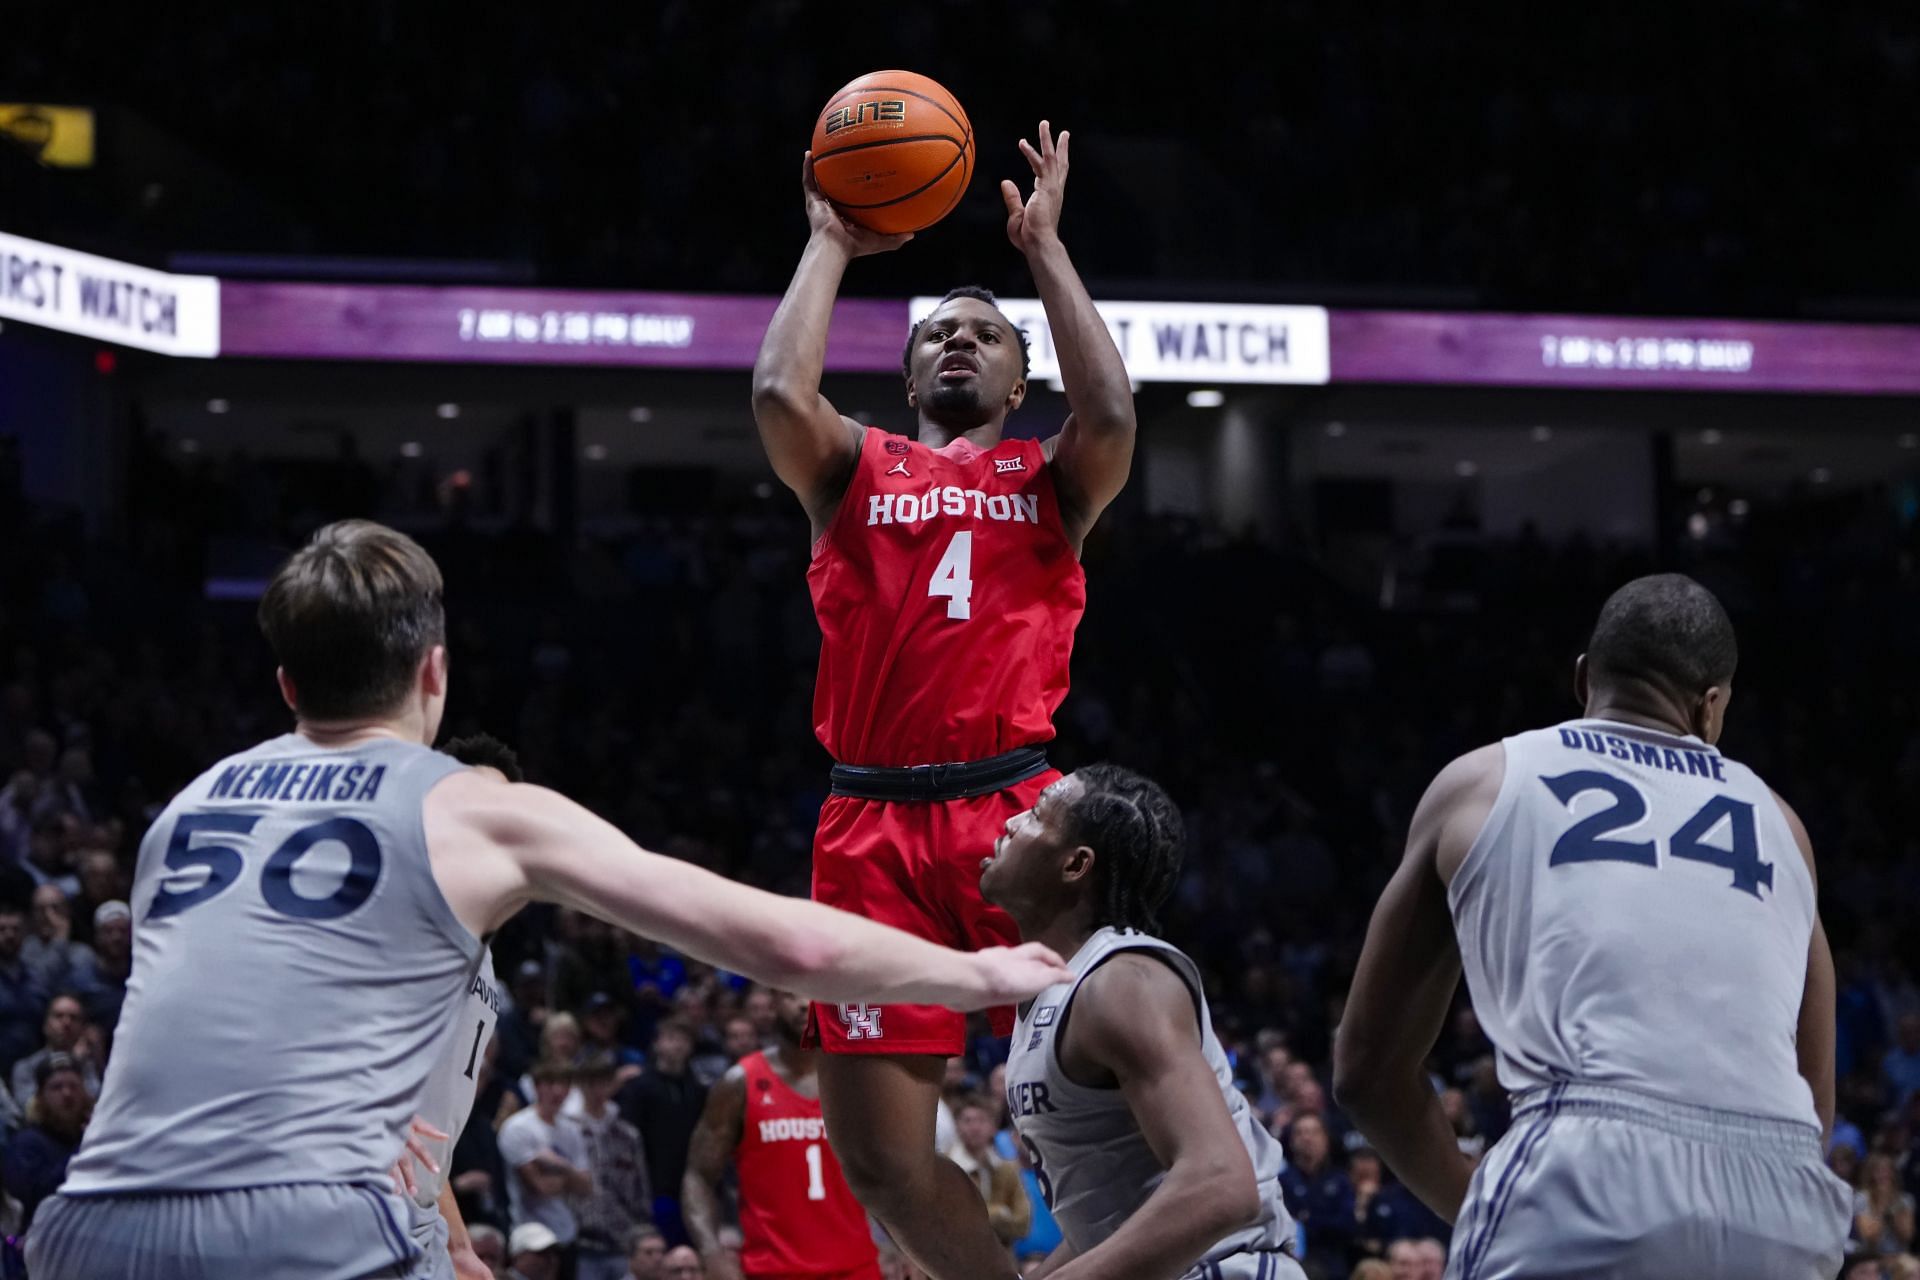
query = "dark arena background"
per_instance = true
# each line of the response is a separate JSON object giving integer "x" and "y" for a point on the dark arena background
{"x": 1442, "y": 326}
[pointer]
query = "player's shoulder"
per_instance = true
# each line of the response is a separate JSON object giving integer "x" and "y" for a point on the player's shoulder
{"x": 1132, "y": 985}
{"x": 1476, "y": 774}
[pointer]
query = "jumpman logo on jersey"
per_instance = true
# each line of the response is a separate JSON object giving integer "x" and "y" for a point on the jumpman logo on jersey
{"x": 900, "y": 469}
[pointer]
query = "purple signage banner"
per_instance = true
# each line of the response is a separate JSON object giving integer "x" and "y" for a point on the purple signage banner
{"x": 1623, "y": 354}
{"x": 710, "y": 331}
{"x": 534, "y": 326}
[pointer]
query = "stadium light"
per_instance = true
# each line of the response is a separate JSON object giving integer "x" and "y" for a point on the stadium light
{"x": 1336, "y": 429}
{"x": 1542, "y": 434}
{"x": 1710, "y": 436}
{"x": 448, "y": 410}
{"x": 1206, "y": 398}
{"x": 639, "y": 413}
{"x": 217, "y": 406}
{"x": 410, "y": 449}
{"x": 1466, "y": 467}
{"x": 1910, "y": 441}
{"x": 595, "y": 453}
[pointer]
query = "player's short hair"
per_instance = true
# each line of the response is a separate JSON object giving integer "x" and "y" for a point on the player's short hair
{"x": 1138, "y": 840}
{"x": 483, "y": 750}
{"x": 553, "y": 1071}
{"x": 978, "y": 293}
{"x": 1667, "y": 630}
{"x": 349, "y": 617}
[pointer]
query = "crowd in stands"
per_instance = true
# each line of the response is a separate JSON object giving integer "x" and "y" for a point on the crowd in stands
{"x": 664, "y": 679}
{"x": 1674, "y": 159}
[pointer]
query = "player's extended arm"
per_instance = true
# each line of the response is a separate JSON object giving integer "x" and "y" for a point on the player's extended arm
{"x": 813, "y": 449}
{"x": 496, "y": 846}
{"x": 466, "y": 1263}
{"x": 713, "y": 1144}
{"x": 1135, "y": 1018}
{"x": 1062, "y": 1254}
{"x": 1813, "y": 1042}
{"x": 1094, "y": 451}
{"x": 1403, "y": 986}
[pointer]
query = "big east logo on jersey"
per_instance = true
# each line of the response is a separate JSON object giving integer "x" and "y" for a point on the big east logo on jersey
{"x": 883, "y": 111}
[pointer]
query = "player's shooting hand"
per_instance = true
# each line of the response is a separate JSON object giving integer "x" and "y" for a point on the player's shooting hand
{"x": 1013, "y": 974}
{"x": 830, "y": 224}
{"x": 1035, "y": 222}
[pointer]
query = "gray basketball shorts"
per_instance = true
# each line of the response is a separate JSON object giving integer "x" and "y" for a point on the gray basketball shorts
{"x": 1264, "y": 1265}
{"x": 1593, "y": 1181}
{"x": 429, "y": 1230}
{"x": 295, "y": 1231}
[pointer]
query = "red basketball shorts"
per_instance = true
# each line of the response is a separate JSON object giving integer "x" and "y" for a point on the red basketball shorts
{"x": 916, "y": 866}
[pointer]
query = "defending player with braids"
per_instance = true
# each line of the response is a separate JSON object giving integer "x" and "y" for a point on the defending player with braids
{"x": 1146, "y": 1153}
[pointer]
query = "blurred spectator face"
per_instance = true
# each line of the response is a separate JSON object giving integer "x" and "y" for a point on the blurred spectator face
{"x": 560, "y": 1038}
{"x": 1297, "y": 1074}
{"x": 1876, "y": 1176}
{"x": 13, "y": 935}
{"x": 975, "y": 1127}
{"x": 1404, "y": 1257}
{"x": 997, "y": 1095}
{"x": 1310, "y": 1099}
{"x": 956, "y": 1077}
{"x": 1910, "y": 1033}
{"x": 63, "y": 1103}
{"x": 739, "y": 1038}
{"x": 682, "y": 1263}
{"x": 113, "y": 939}
{"x": 602, "y": 1025}
{"x": 759, "y": 1005}
{"x": 41, "y": 752}
{"x": 550, "y": 1095}
{"x": 491, "y": 1250}
{"x": 52, "y": 919}
{"x": 1844, "y": 1162}
{"x": 47, "y": 845}
{"x": 1431, "y": 1256}
{"x": 597, "y": 1092}
{"x": 1274, "y": 1063}
{"x": 64, "y": 1023}
{"x": 672, "y": 1047}
{"x": 1867, "y": 1270}
{"x": 1364, "y": 1169}
{"x": 99, "y": 876}
{"x": 1309, "y": 1142}
{"x": 789, "y": 1016}
{"x": 544, "y": 1265}
{"x": 648, "y": 1256}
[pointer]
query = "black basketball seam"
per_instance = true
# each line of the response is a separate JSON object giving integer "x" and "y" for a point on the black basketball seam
{"x": 818, "y": 156}
{"x": 958, "y": 156}
{"x": 965, "y": 127}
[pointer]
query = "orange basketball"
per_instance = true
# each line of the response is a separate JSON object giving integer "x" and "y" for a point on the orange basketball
{"x": 893, "y": 151}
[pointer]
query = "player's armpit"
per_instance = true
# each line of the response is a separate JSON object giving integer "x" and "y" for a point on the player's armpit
{"x": 714, "y": 1140}
{"x": 1134, "y": 1020}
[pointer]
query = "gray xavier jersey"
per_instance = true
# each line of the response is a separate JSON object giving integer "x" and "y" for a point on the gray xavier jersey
{"x": 296, "y": 974}
{"x": 1637, "y": 913}
{"x": 448, "y": 1098}
{"x": 1093, "y": 1163}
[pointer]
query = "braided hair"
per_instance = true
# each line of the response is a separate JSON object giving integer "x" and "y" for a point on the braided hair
{"x": 979, "y": 294}
{"x": 1138, "y": 839}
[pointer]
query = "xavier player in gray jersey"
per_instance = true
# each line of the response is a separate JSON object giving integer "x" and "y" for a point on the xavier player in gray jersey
{"x": 1636, "y": 916}
{"x": 1149, "y": 1157}
{"x": 308, "y": 917}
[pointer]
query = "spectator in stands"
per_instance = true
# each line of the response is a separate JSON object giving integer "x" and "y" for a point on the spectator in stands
{"x": 1883, "y": 1217}
{"x": 758, "y": 1005}
{"x": 50, "y": 953}
{"x": 546, "y": 1156}
{"x": 489, "y": 1246}
{"x": 36, "y": 1158}
{"x": 664, "y": 1103}
{"x": 682, "y": 1263}
{"x": 113, "y": 956}
{"x": 535, "y": 1253}
{"x": 998, "y": 1180}
{"x": 1319, "y": 1196}
{"x": 63, "y": 1032}
{"x": 101, "y": 881}
{"x": 739, "y": 1037}
{"x": 23, "y": 1001}
{"x": 1900, "y": 1069}
{"x": 519, "y": 1028}
{"x": 560, "y": 1041}
{"x": 1403, "y": 1260}
{"x": 601, "y": 1020}
{"x": 1271, "y": 1094}
{"x": 1372, "y": 1269}
{"x": 47, "y": 858}
{"x": 1431, "y": 1257}
{"x": 18, "y": 800}
{"x": 619, "y": 1202}
{"x": 646, "y": 1253}
{"x": 478, "y": 1174}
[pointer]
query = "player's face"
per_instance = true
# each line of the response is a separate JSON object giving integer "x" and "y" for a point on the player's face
{"x": 1025, "y": 864}
{"x": 966, "y": 364}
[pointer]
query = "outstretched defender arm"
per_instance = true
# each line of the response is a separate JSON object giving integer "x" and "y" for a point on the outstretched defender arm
{"x": 714, "y": 1141}
{"x": 1135, "y": 1020}
{"x": 496, "y": 846}
{"x": 1404, "y": 986}
{"x": 813, "y": 449}
{"x": 1093, "y": 453}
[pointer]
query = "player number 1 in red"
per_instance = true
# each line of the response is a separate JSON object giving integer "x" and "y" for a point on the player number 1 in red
{"x": 816, "y": 1184}
{"x": 954, "y": 576}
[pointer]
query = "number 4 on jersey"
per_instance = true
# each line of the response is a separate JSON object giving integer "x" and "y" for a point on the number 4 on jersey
{"x": 954, "y": 576}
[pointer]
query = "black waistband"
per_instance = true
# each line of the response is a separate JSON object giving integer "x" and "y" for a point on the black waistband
{"x": 940, "y": 781}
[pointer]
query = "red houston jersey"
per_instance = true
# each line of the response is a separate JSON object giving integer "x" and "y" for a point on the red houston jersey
{"x": 947, "y": 594}
{"x": 796, "y": 1213}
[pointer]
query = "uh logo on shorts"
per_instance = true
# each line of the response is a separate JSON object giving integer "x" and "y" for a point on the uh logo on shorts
{"x": 863, "y": 1021}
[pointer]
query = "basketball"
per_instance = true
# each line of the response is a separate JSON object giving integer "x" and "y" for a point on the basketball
{"x": 893, "y": 151}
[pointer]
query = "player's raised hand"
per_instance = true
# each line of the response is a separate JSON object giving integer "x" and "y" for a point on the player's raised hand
{"x": 828, "y": 222}
{"x": 1013, "y": 974}
{"x": 1036, "y": 220}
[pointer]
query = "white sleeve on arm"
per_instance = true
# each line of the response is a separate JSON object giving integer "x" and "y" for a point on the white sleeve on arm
{"x": 519, "y": 1142}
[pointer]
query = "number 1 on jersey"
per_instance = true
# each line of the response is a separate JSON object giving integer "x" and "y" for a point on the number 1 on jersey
{"x": 816, "y": 1184}
{"x": 954, "y": 576}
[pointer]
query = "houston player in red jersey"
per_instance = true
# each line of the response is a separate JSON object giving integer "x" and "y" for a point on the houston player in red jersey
{"x": 797, "y": 1216}
{"x": 947, "y": 581}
